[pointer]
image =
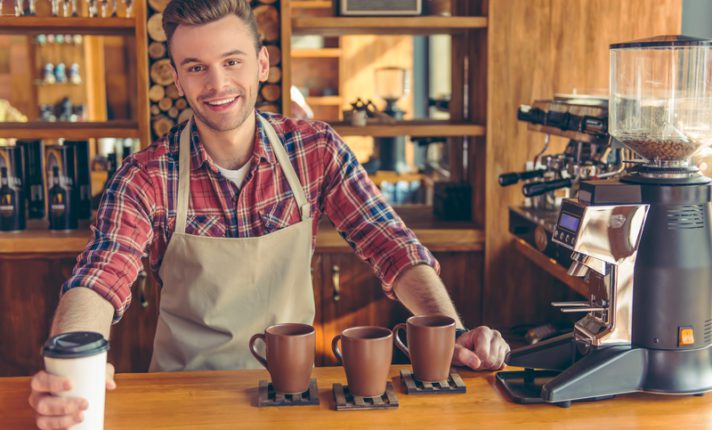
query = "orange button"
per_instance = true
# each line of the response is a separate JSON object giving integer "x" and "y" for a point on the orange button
{"x": 687, "y": 336}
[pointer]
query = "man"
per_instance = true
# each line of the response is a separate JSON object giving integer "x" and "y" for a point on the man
{"x": 228, "y": 206}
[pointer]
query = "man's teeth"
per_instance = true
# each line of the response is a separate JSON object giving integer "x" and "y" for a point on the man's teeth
{"x": 222, "y": 102}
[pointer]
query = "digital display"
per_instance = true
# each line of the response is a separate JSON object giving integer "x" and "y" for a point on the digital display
{"x": 569, "y": 222}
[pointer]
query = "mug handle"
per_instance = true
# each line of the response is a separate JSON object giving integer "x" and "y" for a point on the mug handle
{"x": 397, "y": 340}
{"x": 335, "y": 348}
{"x": 254, "y": 352}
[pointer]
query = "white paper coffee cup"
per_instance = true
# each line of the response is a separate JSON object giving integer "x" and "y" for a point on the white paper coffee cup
{"x": 81, "y": 357}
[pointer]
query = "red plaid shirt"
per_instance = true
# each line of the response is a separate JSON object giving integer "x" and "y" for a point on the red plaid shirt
{"x": 138, "y": 209}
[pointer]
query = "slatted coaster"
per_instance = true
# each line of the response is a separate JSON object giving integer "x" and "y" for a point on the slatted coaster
{"x": 454, "y": 384}
{"x": 268, "y": 397}
{"x": 345, "y": 401}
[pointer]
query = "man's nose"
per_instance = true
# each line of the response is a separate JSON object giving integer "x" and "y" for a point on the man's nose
{"x": 216, "y": 79}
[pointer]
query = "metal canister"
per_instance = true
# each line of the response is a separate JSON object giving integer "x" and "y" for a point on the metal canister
{"x": 12, "y": 198}
{"x": 61, "y": 195}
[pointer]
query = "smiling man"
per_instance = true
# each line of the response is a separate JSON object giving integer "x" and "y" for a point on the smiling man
{"x": 227, "y": 204}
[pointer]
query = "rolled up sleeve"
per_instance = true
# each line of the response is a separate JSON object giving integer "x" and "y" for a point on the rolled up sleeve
{"x": 364, "y": 219}
{"x": 111, "y": 260}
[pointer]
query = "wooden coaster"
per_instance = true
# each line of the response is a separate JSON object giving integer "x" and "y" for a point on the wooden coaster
{"x": 454, "y": 384}
{"x": 345, "y": 401}
{"x": 268, "y": 397}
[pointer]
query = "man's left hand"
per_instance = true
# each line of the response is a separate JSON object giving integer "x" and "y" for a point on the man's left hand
{"x": 480, "y": 349}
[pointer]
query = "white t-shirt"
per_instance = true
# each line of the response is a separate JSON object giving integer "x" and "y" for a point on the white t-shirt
{"x": 235, "y": 176}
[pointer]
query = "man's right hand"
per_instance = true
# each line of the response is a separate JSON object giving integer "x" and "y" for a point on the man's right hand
{"x": 59, "y": 412}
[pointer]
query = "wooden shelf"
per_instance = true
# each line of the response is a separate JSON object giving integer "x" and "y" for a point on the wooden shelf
{"x": 340, "y": 26}
{"x": 311, "y": 4}
{"x": 420, "y": 128}
{"x": 316, "y": 53}
{"x": 81, "y": 25}
{"x": 69, "y": 130}
{"x": 550, "y": 266}
{"x": 434, "y": 234}
{"x": 40, "y": 240}
{"x": 324, "y": 101}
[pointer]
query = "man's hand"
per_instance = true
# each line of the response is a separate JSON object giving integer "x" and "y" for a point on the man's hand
{"x": 59, "y": 412}
{"x": 480, "y": 349}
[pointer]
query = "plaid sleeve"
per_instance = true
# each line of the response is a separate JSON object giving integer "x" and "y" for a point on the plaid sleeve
{"x": 111, "y": 260}
{"x": 364, "y": 219}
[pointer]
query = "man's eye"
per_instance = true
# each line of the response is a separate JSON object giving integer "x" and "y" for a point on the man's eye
{"x": 196, "y": 69}
{"x": 232, "y": 62}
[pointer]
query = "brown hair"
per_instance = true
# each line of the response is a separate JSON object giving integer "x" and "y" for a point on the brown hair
{"x": 195, "y": 12}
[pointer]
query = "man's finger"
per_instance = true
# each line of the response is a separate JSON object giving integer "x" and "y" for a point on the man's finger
{"x": 465, "y": 357}
{"x": 53, "y": 423}
{"x": 110, "y": 383}
{"x": 58, "y": 406}
{"x": 44, "y": 382}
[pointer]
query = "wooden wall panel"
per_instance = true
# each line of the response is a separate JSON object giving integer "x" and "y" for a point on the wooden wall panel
{"x": 537, "y": 48}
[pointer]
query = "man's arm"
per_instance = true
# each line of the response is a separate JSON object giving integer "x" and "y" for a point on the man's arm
{"x": 420, "y": 289}
{"x": 82, "y": 309}
{"x": 99, "y": 289}
{"x": 423, "y": 293}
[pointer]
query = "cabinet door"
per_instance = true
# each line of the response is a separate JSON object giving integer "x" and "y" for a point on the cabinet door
{"x": 29, "y": 293}
{"x": 317, "y": 285}
{"x": 462, "y": 274}
{"x": 132, "y": 337}
{"x": 352, "y": 296}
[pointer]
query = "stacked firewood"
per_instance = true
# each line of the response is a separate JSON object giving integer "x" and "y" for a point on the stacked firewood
{"x": 167, "y": 106}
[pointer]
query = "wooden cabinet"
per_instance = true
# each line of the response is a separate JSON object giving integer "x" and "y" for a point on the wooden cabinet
{"x": 346, "y": 292}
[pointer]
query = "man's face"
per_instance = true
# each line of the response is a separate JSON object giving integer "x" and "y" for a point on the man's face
{"x": 218, "y": 70}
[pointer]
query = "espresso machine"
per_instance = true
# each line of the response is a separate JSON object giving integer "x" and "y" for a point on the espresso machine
{"x": 642, "y": 243}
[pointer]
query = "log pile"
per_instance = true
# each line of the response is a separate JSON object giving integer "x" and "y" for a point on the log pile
{"x": 168, "y": 107}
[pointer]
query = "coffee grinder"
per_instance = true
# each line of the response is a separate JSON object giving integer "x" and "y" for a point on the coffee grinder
{"x": 642, "y": 243}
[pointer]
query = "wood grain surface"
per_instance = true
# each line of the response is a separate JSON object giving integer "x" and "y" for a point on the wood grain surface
{"x": 227, "y": 399}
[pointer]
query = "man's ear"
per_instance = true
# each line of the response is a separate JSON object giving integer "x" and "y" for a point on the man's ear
{"x": 263, "y": 64}
{"x": 174, "y": 72}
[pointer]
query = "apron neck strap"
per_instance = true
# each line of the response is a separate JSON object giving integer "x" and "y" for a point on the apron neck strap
{"x": 184, "y": 173}
{"x": 287, "y": 168}
{"x": 183, "y": 177}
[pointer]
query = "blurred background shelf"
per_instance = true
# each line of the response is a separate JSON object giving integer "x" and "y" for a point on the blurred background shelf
{"x": 420, "y": 128}
{"x": 70, "y": 130}
{"x": 316, "y": 53}
{"x": 80, "y": 25}
{"x": 340, "y": 26}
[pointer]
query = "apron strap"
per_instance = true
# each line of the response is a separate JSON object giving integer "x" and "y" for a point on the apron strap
{"x": 183, "y": 177}
{"x": 287, "y": 168}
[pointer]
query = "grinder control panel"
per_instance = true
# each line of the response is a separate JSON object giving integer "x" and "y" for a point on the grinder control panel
{"x": 568, "y": 224}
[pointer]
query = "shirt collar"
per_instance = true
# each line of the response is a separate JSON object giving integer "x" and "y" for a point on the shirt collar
{"x": 199, "y": 156}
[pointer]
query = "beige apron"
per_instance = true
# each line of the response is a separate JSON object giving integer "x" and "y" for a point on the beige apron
{"x": 218, "y": 292}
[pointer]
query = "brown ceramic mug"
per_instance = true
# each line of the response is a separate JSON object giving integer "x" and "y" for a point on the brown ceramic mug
{"x": 289, "y": 355}
{"x": 367, "y": 355}
{"x": 431, "y": 344}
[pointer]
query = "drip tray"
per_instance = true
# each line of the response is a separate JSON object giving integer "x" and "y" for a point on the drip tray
{"x": 524, "y": 386}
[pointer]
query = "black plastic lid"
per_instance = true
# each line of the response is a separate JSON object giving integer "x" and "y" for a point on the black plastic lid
{"x": 663, "y": 42}
{"x": 75, "y": 344}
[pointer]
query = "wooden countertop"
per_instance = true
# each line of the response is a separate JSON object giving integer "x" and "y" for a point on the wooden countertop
{"x": 226, "y": 400}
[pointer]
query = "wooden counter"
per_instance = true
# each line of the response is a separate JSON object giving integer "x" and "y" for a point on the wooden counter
{"x": 226, "y": 399}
